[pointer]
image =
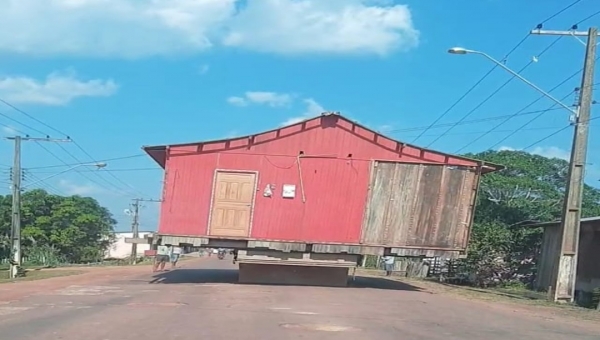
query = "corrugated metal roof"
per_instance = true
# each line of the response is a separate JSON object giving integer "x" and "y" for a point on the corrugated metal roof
{"x": 158, "y": 152}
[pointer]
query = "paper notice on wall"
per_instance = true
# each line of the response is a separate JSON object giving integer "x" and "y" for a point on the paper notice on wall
{"x": 289, "y": 191}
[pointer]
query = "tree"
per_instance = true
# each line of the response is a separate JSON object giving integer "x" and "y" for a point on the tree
{"x": 531, "y": 188}
{"x": 75, "y": 228}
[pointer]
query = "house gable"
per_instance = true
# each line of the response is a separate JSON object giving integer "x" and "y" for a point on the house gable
{"x": 329, "y": 135}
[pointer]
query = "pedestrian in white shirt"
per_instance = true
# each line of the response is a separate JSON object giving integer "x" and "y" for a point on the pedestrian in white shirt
{"x": 388, "y": 263}
{"x": 175, "y": 254}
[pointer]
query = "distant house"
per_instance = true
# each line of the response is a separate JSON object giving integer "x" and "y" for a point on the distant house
{"x": 588, "y": 262}
{"x": 120, "y": 250}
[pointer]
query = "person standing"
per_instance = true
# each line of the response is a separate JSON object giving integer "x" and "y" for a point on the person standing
{"x": 175, "y": 254}
{"x": 161, "y": 258}
{"x": 388, "y": 263}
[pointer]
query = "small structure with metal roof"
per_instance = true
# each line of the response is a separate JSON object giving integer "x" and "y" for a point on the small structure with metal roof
{"x": 588, "y": 263}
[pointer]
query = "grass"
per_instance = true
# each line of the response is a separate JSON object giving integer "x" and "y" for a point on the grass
{"x": 37, "y": 274}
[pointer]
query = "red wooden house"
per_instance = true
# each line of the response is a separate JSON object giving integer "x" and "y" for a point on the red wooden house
{"x": 323, "y": 181}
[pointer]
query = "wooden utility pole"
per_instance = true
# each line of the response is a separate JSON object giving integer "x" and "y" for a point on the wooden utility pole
{"x": 135, "y": 225}
{"x": 566, "y": 275}
{"x": 15, "y": 231}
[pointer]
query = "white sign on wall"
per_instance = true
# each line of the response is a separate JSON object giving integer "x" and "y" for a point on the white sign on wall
{"x": 289, "y": 191}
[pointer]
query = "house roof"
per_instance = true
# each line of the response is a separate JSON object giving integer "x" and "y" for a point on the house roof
{"x": 158, "y": 152}
{"x": 557, "y": 222}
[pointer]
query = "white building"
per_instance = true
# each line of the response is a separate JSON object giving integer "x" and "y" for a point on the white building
{"x": 120, "y": 250}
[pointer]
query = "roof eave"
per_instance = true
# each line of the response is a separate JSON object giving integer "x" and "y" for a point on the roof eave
{"x": 157, "y": 153}
{"x": 486, "y": 167}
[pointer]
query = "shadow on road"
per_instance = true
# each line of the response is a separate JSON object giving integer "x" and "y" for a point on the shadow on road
{"x": 230, "y": 276}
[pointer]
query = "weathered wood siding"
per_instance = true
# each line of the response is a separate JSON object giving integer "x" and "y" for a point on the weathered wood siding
{"x": 420, "y": 205}
{"x": 588, "y": 266}
{"x": 548, "y": 258}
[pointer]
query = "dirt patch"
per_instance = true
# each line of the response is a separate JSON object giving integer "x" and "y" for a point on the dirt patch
{"x": 56, "y": 279}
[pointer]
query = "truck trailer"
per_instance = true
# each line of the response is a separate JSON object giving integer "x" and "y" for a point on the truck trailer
{"x": 308, "y": 200}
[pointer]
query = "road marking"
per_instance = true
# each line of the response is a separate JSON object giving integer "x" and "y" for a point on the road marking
{"x": 305, "y": 313}
{"x": 318, "y": 327}
{"x": 157, "y": 304}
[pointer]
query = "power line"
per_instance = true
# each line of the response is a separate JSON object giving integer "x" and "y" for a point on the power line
{"x": 33, "y": 118}
{"x": 466, "y": 122}
{"x": 20, "y": 123}
{"x": 553, "y": 134}
{"x": 494, "y": 68}
{"x": 95, "y": 172}
{"x": 110, "y": 173}
{"x": 75, "y": 170}
{"x": 521, "y": 127}
{"x": 107, "y": 170}
{"x": 66, "y": 135}
{"x": 497, "y": 90}
{"x": 101, "y": 160}
{"x": 466, "y": 133}
{"x": 519, "y": 112}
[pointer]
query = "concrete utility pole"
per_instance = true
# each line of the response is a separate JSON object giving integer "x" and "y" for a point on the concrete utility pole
{"x": 566, "y": 274}
{"x": 135, "y": 225}
{"x": 15, "y": 231}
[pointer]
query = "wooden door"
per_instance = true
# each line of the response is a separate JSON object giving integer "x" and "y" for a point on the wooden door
{"x": 232, "y": 205}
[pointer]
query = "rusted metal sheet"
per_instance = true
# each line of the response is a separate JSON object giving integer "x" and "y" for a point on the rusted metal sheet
{"x": 420, "y": 206}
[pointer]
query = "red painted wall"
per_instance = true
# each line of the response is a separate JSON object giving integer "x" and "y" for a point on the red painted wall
{"x": 335, "y": 173}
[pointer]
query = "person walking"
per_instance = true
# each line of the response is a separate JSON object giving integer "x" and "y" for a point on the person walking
{"x": 175, "y": 254}
{"x": 161, "y": 258}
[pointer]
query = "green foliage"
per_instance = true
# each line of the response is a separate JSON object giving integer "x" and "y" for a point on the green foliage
{"x": 531, "y": 188}
{"x": 55, "y": 228}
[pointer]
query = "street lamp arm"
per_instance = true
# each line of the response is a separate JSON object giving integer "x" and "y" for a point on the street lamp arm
{"x": 551, "y": 97}
{"x": 459, "y": 50}
{"x": 98, "y": 165}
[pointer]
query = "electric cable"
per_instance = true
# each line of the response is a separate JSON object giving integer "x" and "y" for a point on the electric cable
{"x": 494, "y": 68}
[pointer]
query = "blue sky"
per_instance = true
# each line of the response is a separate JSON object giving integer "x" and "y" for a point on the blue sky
{"x": 118, "y": 74}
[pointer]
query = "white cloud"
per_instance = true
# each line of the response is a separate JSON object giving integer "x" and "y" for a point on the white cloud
{"x": 318, "y": 26}
{"x": 552, "y": 152}
{"x": 313, "y": 109}
{"x": 110, "y": 28}
{"x": 237, "y": 101}
{"x": 71, "y": 188}
{"x": 544, "y": 151}
{"x": 133, "y": 28}
{"x": 271, "y": 99}
{"x": 57, "y": 89}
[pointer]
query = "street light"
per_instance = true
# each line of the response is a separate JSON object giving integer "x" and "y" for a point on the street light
{"x": 565, "y": 265}
{"x": 461, "y": 51}
{"x": 97, "y": 165}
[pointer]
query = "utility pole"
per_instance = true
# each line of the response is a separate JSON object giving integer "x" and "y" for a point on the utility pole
{"x": 15, "y": 231}
{"x": 135, "y": 225}
{"x": 566, "y": 262}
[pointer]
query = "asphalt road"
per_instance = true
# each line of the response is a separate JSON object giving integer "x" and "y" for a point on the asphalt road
{"x": 202, "y": 301}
